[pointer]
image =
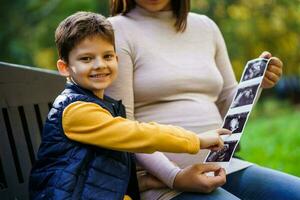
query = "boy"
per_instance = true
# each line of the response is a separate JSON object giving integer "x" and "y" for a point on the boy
{"x": 83, "y": 154}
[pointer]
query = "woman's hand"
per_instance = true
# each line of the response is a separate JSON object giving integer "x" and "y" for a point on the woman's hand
{"x": 212, "y": 140}
{"x": 194, "y": 179}
{"x": 147, "y": 181}
{"x": 274, "y": 70}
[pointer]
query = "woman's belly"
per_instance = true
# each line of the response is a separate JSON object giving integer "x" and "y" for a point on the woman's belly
{"x": 195, "y": 115}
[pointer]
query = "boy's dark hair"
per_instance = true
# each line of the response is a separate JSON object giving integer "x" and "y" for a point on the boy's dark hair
{"x": 77, "y": 27}
{"x": 180, "y": 10}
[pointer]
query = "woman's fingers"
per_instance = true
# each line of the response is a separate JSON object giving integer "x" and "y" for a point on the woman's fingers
{"x": 275, "y": 63}
{"x": 272, "y": 76}
{"x": 267, "y": 83}
{"x": 194, "y": 178}
{"x": 204, "y": 168}
{"x": 273, "y": 73}
{"x": 266, "y": 55}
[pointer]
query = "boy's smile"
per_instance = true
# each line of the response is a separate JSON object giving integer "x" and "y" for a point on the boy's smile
{"x": 92, "y": 64}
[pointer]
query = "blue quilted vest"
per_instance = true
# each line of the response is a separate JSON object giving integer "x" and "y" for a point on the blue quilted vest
{"x": 66, "y": 169}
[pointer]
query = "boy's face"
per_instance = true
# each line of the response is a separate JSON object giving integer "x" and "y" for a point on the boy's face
{"x": 92, "y": 64}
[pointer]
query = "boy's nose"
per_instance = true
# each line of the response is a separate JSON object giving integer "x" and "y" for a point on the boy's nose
{"x": 99, "y": 63}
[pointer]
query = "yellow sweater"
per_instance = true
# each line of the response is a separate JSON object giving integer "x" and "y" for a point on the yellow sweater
{"x": 91, "y": 124}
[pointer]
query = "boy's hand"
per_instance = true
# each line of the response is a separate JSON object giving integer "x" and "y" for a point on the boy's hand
{"x": 194, "y": 179}
{"x": 274, "y": 70}
{"x": 212, "y": 140}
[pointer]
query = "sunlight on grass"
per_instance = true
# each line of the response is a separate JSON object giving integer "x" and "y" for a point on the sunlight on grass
{"x": 272, "y": 136}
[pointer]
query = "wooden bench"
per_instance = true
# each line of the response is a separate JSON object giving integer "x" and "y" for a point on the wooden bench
{"x": 26, "y": 95}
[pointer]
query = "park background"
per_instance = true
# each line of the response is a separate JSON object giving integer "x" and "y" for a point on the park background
{"x": 272, "y": 135}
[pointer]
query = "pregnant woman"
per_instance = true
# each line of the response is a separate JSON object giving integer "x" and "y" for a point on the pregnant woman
{"x": 174, "y": 69}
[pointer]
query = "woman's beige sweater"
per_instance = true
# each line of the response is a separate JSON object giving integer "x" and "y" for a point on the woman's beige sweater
{"x": 169, "y": 77}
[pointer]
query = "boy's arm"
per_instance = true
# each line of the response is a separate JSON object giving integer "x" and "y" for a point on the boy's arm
{"x": 90, "y": 124}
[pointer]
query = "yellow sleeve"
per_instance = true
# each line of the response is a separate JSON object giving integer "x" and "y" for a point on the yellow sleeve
{"x": 91, "y": 124}
{"x": 126, "y": 197}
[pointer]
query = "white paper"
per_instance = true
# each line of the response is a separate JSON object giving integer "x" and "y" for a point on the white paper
{"x": 247, "y": 93}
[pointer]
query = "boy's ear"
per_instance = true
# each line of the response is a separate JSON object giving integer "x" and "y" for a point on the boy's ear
{"x": 63, "y": 68}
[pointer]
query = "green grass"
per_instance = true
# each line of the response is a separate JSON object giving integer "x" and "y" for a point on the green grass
{"x": 272, "y": 136}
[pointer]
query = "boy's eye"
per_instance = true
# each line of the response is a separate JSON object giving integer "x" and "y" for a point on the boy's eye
{"x": 109, "y": 56}
{"x": 85, "y": 59}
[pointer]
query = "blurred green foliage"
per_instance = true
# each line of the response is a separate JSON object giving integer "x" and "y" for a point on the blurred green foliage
{"x": 249, "y": 27}
{"x": 27, "y": 28}
{"x": 271, "y": 137}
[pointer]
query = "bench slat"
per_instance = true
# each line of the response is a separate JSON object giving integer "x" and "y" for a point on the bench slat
{"x": 20, "y": 141}
{"x": 7, "y": 157}
{"x": 33, "y": 127}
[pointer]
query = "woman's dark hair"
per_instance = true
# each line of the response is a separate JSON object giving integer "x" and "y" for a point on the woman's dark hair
{"x": 180, "y": 10}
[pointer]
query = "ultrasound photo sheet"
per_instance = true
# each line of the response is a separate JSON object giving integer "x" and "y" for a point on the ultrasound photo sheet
{"x": 247, "y": 93}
